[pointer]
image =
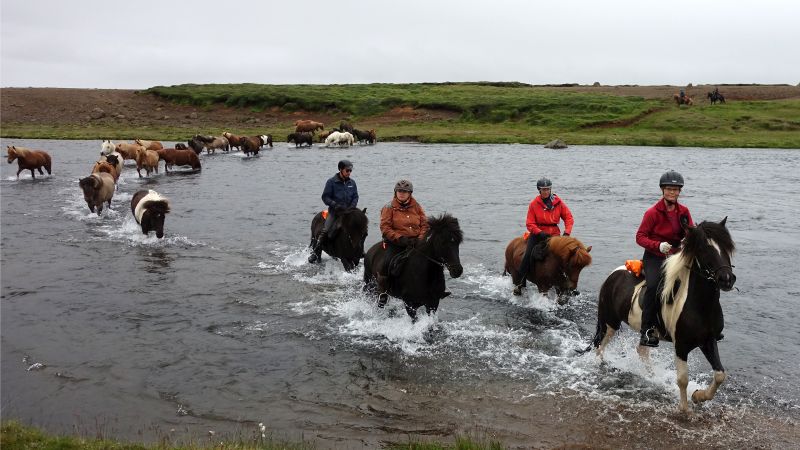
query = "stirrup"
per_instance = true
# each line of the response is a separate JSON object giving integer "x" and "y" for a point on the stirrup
{"x": 648, "y": 338}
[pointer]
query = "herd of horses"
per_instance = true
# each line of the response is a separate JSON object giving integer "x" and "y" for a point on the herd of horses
{"x": 690, "y": 315}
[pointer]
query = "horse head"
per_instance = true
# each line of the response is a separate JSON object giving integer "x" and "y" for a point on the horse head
{"x": 573, "y": 256}
{"x": 708, "y": 248}
{"x": 12, "y": 154}
{"x": 444, "y": 236}
{"x": 350, "y": 239}
{"x": 107, "y": 148}
{"x": 154, "y": 216}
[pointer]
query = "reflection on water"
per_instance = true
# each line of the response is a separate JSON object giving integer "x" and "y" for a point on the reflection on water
{"x": 223, "y": 323}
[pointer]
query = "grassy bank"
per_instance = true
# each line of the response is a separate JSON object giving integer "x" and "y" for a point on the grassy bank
{"x": 14, "y": 436}
{"x": 467, "y": 113}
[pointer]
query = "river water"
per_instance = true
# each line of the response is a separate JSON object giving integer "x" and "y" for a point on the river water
{"x": 222, "y": 324}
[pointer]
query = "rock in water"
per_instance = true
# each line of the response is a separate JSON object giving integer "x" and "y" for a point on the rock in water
{"x": 557, "y": 143}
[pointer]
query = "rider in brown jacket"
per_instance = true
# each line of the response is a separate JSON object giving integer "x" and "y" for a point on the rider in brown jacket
{"x": 403, "y": 225}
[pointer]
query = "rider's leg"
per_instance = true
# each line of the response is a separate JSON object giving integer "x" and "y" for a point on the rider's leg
{"x": 383, "y": 274}
{"x": 316, "y": 252}
{"x": 652, "y": 275}
{"x": 525, "y": 264}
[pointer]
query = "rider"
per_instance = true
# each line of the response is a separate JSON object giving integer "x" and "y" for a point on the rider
{"x": 403, "y": 225}
{"x": 340, "y": 193}
{"x": 544, "y": 213}
{"x": 682, "y": 94}
{"x": 660, "y": 233}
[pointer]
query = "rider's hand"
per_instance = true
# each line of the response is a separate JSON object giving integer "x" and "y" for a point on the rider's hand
{"x": 566, "y": 234}
{"x": 664, "y": 247}
{"x": 542, "y": 235}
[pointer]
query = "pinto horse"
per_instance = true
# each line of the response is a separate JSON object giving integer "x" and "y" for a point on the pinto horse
{"x": 345, "y": 238}
{"x": 174, "y": 157}
{"x": 420, "y": 281}
{"x": 564, "y": 259}
{"x": 149, "y": 209}
{"x": 715, "y": 97}
{"x": 28, "y": 159}
{"x": 686, "y": 100}
{"x": 690, "y": 314}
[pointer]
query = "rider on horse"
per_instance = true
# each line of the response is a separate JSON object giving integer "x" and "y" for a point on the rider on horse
{"x": 340, "y": 193}
{"x": 403, "y": 225}
{"x": 544, "y": 213}
{"x": 660, "y": 233}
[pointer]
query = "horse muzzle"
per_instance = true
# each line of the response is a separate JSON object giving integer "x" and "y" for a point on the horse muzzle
{"x": 455, "y": 270}
{"x": 726, "y": 280}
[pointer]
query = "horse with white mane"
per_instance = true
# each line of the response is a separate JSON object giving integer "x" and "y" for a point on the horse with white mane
{"x": 340, "y": 139}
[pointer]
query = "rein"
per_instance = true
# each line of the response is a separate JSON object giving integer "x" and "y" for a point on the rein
{"x": 433, "y": 260}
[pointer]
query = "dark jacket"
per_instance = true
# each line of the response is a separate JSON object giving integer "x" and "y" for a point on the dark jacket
{"x": 659, "y": 225}
{"x": 340, "y": 193}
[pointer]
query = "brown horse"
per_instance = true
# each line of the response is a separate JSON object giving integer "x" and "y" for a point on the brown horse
{"x": 128, "y": 151}
{"x": 686, "y": 100}
{"x": 233, "y": 140}
{"x": 107, "y": 167}
{"x": 28, "y": 159}
{"x": 308, "y": 125}
{"x": 174, "y": 157}
{"x": 149, "y": 160}
{"x": 98, "y": 188}
{"x": 150, "y": 145}
{"x": 561, "y": 267}
{"x": 251, "y": 144}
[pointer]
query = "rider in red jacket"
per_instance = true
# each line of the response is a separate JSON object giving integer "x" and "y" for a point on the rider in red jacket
{"x": 544, "y": 213}
{"x": 660, "y": 233}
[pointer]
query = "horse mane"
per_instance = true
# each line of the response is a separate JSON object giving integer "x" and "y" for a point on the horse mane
{"x": 161, "y": 206}
{"x": 567, "y": 247}
{"x": 359, "y": 220}
{"x": 446, "y": 223}
{"x": 21, "y": 152}
{"x": 677, "y": 267}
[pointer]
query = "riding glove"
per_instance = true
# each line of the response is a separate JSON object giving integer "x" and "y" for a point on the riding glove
{"x": 665, "y": 247}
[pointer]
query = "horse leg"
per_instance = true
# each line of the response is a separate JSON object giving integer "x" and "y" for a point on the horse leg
{"x": 412, "y": 312}
{"x": 605, "y": 340}
{"x": 40, "y": 171}
{"x": 682, "y": 370}
{"x": 712, "y": 355}
{"x": 33, "y": 174}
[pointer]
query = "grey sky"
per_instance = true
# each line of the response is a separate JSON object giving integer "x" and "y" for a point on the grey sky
{"x": 144, "y": 43}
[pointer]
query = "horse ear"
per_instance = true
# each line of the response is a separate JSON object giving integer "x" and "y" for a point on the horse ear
{"x": 364, "y": 210}
{"x": 723, "y": 221}
{"x": 588, "y": 249}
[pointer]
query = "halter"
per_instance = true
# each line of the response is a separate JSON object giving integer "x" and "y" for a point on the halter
{"x": 707, "y": 273}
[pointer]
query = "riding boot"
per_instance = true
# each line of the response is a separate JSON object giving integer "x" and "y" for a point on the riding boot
{"x": 383, "y": 289}
{"x": 524, "y": 281}
{"x": 316, "y": 252}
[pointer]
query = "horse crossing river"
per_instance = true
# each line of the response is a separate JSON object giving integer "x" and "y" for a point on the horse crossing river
{"x": 222, "y": 324}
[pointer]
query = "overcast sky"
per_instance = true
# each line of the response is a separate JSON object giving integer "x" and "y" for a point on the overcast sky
{"x": 144, "y": 43}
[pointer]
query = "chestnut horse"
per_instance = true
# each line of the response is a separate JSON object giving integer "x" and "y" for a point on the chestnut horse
{"x": 150, "y": 145}
{"x": 251, "y": 144}
{"x": 564, "y": 258}
{"x": 174, "y": 157}
{"x": 234, "y": 140}
{"x": 149, "y": 160}
{"x": 149, "y": 209}
{"x": 107, "y": 167}
{"x": 128, "y": 151}
{"x": 28, "y": 159}
{"x": 690, "y": 314}
{"x": 308, "y": 125}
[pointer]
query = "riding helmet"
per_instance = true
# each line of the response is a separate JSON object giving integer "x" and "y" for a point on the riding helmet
{"x": 345, "y": 164}
{"x": 671, "y": 178}
{"x": 544, "y": 183}
{"x": 404, "y": 185}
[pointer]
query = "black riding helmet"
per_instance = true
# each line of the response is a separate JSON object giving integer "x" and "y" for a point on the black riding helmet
{"x": 404, "y": 185}
{"x": 671, "y": 178}
{"x": 544, "y": 183}
{"x": 345, "y": 164}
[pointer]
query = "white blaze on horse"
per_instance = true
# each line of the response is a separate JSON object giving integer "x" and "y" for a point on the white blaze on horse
{"x": 150, "y": 208}
{"x": 690, "y": 315}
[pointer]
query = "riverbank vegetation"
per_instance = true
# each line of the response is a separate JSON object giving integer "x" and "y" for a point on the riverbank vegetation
{"x": 455, "y": 113}
{"x": 15, "y": 436}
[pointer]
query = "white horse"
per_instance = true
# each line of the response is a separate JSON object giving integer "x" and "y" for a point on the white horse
{"x": 108, "y": 148}
{"x": 339, "y": 139}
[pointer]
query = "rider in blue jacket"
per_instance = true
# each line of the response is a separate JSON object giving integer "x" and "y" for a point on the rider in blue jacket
{"x": 340, "y": 193}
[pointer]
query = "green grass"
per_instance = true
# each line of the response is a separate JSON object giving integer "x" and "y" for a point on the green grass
{"x": 14, "y": 436}
{"x": 480, "y": 113}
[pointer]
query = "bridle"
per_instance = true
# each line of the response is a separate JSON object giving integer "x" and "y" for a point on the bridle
{"x": 707, "y": 272}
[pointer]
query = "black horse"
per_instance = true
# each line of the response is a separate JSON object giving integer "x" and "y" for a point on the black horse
{"x": 301, "y": 138}
{"x": 421, "y": 278}
{"x": 715, "y": 97}
{"x": 690, "y": 314}
{"x": 149, "y": 209}
{"x": 364, "y": 136}
{"x": 345, "y": 238}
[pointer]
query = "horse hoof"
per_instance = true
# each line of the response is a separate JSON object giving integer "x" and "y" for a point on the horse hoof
{"x": 517, "y": 291}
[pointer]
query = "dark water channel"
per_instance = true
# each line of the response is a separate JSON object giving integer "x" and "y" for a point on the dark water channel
{"x": 223, "y": 325}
